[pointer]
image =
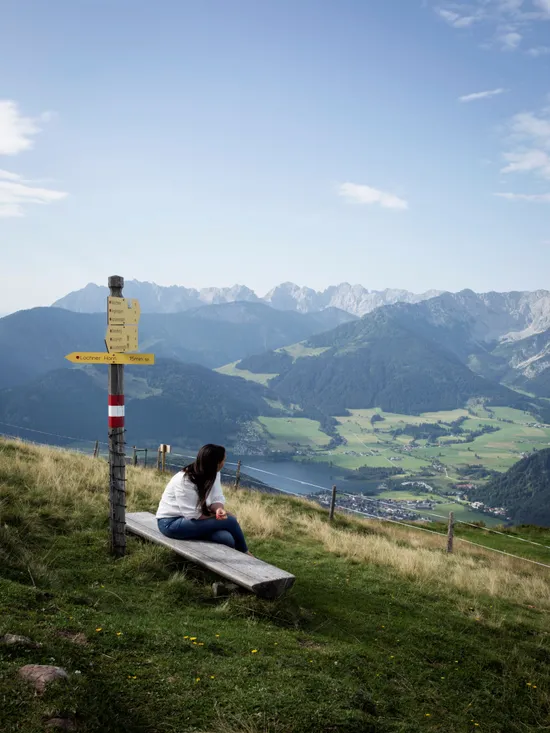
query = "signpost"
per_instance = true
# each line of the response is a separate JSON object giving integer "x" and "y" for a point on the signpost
{"x": 117, "y": 458}
{"x": 100, "y": 357}
{"x": 123, "y": 316}
{"x": 121, "y": 338}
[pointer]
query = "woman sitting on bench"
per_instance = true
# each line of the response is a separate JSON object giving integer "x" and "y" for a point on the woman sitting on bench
{"x": 192, "y": 505}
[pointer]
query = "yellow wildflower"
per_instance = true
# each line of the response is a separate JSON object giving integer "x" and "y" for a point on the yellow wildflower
{"x": 198, "y": 679}
{"x": 192, "y": 638}
{"x": 99, "y": 628}
{"x": 254, "y": 651}
{"x": 212, "y": 677}
{"x": 119, "y": 633}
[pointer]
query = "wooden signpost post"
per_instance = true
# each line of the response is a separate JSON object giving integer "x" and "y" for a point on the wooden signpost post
{"x": 117, "y": 458}
{"x": 122, "y": 336}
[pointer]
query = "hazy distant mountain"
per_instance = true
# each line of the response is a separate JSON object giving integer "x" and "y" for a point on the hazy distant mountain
{"x": 34, "y": 342}
{"x": 354, "y": 299}
{"x": 154, "y": 298}
{"x": 351, "y": 298}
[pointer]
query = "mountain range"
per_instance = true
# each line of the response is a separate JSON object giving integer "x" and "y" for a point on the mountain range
{"x": 354, "y": 299}
{"x": 436, "y": 354}
{"x": 36, "y": 341}
{"x": 456, "y": 338}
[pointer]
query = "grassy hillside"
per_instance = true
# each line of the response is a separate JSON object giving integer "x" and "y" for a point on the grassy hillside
{"x": 382, "y": 633}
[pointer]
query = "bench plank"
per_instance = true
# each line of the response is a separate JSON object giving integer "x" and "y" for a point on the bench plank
{"x": 251, "y": 573}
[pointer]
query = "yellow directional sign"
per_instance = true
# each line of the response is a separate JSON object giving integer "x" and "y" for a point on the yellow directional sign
{"x": 121, "y": 338}
{"x": 122, "y": 311}
{"x": 100, "y": 357}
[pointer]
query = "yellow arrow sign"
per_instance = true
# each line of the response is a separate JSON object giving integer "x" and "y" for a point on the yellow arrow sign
{"x": 121, "y": 338}
{"x": 100, "y": 357}
{"x": 121, "y": 311}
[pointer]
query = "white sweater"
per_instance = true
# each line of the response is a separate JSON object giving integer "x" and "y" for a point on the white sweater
{"x": 180, "y": 498}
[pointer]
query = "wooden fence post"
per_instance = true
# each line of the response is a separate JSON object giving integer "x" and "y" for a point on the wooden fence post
{"x": 145, "y": 459}
{"x": 238, "y": 475}
{"x": 332, "y": 504}
{"x": 163, "y": 466}
{"x": 117, "y": 459}
{"x": 134, "y": 457}
{"x": 450, "y": 532}
{"x": 96, "y": 449}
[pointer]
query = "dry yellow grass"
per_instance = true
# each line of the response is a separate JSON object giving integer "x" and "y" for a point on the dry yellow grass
{"x": 78, "y": 484}
{"x": 471, "y": 569}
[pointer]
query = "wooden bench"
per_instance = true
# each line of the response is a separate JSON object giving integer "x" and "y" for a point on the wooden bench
{"x": 248, "y": 572}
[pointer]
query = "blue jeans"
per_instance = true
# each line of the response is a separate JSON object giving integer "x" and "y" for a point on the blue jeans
{"x": 223, "y": 531}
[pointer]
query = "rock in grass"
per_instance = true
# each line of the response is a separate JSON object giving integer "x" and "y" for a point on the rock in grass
{"x": 61, "y": 724}
{"x": 76, "y": 637}
{"x": 40, "y": 675}
{"x": 16, "y": 640}
{"x": 223, "y": 589}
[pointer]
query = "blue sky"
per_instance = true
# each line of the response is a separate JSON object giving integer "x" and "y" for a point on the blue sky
{"x": 210, "y": 142}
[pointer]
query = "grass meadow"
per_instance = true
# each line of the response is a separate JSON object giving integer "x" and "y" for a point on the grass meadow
{"x": 383, "y": 632}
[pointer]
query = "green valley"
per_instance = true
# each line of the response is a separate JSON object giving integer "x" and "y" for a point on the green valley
{"x": 377, "y": 444}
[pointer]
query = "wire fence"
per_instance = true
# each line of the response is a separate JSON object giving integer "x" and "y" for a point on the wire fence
{"x": 247, "y": 479}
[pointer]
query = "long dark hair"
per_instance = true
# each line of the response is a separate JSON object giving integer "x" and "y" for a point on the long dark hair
{"x": 203, "y": 471}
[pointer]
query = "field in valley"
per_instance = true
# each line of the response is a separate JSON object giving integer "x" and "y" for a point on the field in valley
{"x": 374, "y": 444}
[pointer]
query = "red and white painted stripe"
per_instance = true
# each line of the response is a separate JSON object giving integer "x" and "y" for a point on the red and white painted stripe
{"x": 116, "y": 410}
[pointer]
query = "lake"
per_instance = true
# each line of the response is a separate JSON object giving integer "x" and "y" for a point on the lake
{"x": 299, "y": 478}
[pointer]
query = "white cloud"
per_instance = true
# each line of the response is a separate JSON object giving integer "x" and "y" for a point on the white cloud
{"x": 538, "y": 51}
{"x": 535, "y": 161}
{"x": 16, "y": 136}
{"x": 6, "y": 175}
{"x": 534, "y": 197}
{"x": 544, "y": 5}
{"x": 532, "y": 127}
{"x": 367, "y": 195}
{"x": 482, "y": 95}
{"x": 529, "y": 142}
{"x": 506, "y": 22}
{"x": 510, "y": 41}
{"x": 16, "y": 194}
{"x": 455, "y": 19}
{"x": 16, "y": 131}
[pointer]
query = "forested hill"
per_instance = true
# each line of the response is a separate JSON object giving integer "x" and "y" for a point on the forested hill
{"x": 380, "y": 361}
{"x": 176, "y": 403}
{"x": 524, "y": 490}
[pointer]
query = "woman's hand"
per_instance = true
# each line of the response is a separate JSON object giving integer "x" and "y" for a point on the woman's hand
{"x": 221, "y": 513}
